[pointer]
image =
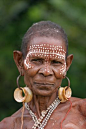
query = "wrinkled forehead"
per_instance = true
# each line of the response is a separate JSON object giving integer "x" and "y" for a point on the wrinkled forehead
{"x": 46, "y": 50}
{"x": 45, "y": 47}
{"x": 47, "y": 43}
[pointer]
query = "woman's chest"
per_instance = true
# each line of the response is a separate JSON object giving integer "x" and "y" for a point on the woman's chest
{"x": 59, "y": 121}
{"x": 70, "y": 121}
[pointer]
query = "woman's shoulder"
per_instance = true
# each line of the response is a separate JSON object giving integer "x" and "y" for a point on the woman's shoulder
{"x": 14, "y": 119}
{"x": 8, "y": 122}
{"x": 76, "y": 99}
{"x": 73, "y": 111}
{"x": 80, "y": 104}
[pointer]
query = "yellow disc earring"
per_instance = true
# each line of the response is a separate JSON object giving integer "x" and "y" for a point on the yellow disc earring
{"x": 64, "y": 93}
{"x": 18, "y": 93}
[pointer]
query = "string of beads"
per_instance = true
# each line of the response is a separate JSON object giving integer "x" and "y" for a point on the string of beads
{"x": 45, "y": 115}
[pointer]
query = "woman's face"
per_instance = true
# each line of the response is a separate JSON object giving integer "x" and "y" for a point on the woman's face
{"x": 45, "y": 65}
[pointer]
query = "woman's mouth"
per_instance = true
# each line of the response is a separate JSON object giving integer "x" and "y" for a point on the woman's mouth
{"x": 44, "y": 84}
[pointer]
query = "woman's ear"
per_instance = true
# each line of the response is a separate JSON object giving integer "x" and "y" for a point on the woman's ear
{"x": 69, "y": 61}
{"x": 17, "y": 55}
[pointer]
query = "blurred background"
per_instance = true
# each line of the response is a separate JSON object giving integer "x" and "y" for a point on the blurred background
{"x": 16, "y": 16}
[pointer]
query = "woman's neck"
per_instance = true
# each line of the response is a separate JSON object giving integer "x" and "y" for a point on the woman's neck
{"x": 40, "y": 103}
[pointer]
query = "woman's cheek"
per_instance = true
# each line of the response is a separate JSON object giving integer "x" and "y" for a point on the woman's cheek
{"x": 28, "y": 76}
{"x": 28, "y": 64}
{"x": 30, "y": 69}
{"x": 60, "y": 72}
{"x": 63, "y": 70}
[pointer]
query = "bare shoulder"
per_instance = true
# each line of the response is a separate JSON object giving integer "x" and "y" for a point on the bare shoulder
{"x": 78, "y": 100}
{"x": 14, "y": 120}
{"x": 75, "y": 115}
{"x": 78, "y": 105}
{"x": 81, "y": 103}
{"x": 8, "y": 122}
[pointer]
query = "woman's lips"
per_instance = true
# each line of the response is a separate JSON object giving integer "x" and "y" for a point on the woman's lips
{"x": 43, "y": 84}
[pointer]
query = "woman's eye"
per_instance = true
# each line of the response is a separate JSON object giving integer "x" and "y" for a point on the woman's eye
{"x": 36, "y": 60}
{"x": 56, "y": 62}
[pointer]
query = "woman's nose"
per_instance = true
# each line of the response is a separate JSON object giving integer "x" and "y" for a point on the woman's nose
{"x": 46, "y": 70}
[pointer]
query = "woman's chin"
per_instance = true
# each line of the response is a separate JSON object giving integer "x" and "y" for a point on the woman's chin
{"x": 43, "y": 92}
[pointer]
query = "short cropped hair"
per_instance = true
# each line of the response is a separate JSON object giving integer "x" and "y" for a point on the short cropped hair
{"x": 43, "y": 29}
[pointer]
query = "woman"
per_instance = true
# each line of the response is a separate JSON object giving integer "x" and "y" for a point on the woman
{"x": 44, "y": 62}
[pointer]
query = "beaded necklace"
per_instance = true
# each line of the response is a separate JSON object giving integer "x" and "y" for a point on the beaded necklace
{"x": 45, "y": 115}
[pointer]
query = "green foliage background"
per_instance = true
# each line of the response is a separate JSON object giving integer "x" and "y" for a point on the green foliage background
{"x": 16, "y": 16}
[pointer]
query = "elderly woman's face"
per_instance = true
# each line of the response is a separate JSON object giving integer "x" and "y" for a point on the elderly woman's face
{"x": 45, "y": 65}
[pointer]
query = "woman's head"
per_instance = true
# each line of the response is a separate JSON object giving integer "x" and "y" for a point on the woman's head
{"x": 43, "y": 29}
{"x": 43, "y": 58}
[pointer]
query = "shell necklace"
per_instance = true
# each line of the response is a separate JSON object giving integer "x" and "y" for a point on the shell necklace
{"x": 45, "y": 115}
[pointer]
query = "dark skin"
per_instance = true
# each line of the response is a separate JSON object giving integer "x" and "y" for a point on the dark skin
{"x": 43, "y": 96}
{"x": 76, "y": 119}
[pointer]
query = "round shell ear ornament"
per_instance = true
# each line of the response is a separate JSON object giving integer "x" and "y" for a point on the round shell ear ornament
{"x": 22, "y": 94}
{"x": 64, "y": 93}
{"x": 18, "y": 94}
